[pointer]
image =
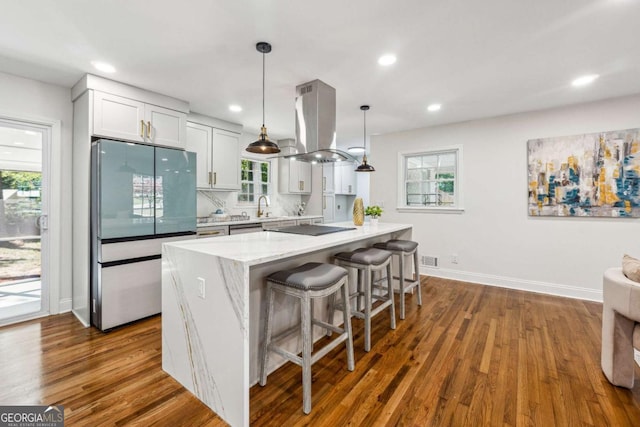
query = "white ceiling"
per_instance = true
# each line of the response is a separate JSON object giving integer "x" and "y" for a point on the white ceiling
{"x": 477, "y": 58}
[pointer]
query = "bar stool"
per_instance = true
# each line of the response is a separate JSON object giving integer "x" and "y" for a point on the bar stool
{"x": 366, "y": 261}
{"x": 309, "y": 281}
{"x": 404, "y": 248}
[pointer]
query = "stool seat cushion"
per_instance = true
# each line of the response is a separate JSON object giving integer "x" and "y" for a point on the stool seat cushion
{"x": 397, "y": 245}
{"x": 310, "y": 276}
{"x": 366, "y": 256}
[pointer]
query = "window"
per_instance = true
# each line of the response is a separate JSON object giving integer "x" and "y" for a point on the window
{"x": 255, "y": 180}
{"x": 431, "y": 180}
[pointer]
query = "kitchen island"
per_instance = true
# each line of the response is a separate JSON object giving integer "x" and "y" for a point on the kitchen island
{"x": 213, "y": 306}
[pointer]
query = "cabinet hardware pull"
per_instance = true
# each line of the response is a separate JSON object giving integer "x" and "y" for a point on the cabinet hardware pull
{"x": 141, "y": 128}
{"x": 149, "y": 130}
{"x": 324, "y": 183}
{"x": 210, "y": 178}
{"x": 324, "y": 202}
{"x": 209, "y": 233}
{"x": 215, "y": 178}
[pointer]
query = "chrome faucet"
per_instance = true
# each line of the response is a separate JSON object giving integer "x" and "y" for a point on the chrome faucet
{"x": 266, "y": 205}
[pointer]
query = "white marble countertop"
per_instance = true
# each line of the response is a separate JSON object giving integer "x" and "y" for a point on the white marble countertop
{"x": 256, "y": 220}
{"x": 258, "y": 248}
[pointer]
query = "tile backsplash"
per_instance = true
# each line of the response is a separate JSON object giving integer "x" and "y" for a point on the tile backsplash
{"x": 210, "y": 201}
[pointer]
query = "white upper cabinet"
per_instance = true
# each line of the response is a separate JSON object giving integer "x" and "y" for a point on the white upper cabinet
{"x": 165, "y": 127}
{"x": 294, "y": 176}
{"x": 345, "y": 178}
{"x": 218, "y": 156}
{"x": 118, "y": 117}
{"x": 127, "y": 119}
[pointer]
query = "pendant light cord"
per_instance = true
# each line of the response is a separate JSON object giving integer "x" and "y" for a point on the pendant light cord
{"x": 263, "y": 55}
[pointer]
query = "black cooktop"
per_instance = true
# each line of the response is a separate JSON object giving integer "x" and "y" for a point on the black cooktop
{"x": 312, "y": 230}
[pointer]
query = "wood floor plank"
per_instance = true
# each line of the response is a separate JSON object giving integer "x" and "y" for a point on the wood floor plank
{"x": 471, "y": 355}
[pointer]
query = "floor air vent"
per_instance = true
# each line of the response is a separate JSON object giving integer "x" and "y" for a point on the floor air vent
{"x": 429, "y": 261}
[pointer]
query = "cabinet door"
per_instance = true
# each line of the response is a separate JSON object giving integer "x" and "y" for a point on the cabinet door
{"x": 291, "y": 166}
{"x": 199, "y": 142}
{"x": 226, "y": 160}
{"x": 328, "y": 177}
{"x": 167, "y": 127}
{"x": 345, "y": 177}
{"x": 117, "y": 117}
{"x": 304, "y": 174}
{"x": 328, "y": 207}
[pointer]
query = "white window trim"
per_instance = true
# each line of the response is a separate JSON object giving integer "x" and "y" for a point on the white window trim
{"x": 402, "y": 207}
{"x": 240, "y": 204}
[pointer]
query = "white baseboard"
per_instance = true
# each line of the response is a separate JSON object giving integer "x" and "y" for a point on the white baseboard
{"x": 65, "y": 305}
{"x": 513, "y": 283}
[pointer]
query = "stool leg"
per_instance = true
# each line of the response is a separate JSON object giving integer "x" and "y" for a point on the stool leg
{"x": 331, "y": 311}
{"x": 346, "y": 313}
{"x": 367, "y": 309}
{"x": 305, "y": 306}
{"x": 267, "y": 336}
{"x": 401, "y": 275}
{"x": 360, "y": 279}
{"x": 417, "y": 275}
{"x": 390, "y": 287}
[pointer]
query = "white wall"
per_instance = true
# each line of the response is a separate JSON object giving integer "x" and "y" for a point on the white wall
{"x": 495, "y": 239}
{"x": 30, "y": 99}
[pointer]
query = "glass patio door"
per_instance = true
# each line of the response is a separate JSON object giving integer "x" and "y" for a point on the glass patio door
{"x": 23, "y": 219}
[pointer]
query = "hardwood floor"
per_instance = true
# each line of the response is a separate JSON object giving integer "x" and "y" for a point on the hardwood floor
{"x": 471, "y": 355}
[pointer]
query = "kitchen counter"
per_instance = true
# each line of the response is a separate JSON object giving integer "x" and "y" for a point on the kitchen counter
{"x": 213, "y": 306}
{"x": 258, "y": 220}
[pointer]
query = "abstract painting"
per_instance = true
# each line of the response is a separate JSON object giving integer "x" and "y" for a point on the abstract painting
{"x": 592, "y": 175}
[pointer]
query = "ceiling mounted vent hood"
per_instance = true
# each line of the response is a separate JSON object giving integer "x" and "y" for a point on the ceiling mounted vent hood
{"x": 315, "y": 125}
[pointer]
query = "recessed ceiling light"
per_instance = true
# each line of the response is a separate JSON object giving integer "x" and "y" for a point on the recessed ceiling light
{"x": 356, "y": 149}
{"x": 318, "y": 155}
{"x": 434, "y": 107}
{"x": 103, "y": 66}
{"x": 387, "y": 60}
{"x": 584, "y": 80}
{"x": 18, "y": 143}
{"x": 235, "y": 108}
{"x": 313, "y": 162}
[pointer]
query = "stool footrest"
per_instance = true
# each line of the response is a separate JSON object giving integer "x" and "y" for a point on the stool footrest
{"x": 315, "y": 356}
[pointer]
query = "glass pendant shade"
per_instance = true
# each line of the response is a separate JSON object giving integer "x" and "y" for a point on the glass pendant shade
{"x": 263, "y": 145}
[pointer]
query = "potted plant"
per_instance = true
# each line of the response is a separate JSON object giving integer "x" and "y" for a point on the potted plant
{"x": 374, "y": 212}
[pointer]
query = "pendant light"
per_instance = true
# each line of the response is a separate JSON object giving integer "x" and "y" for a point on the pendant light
{"x": 364, "y": 166}
{"x": 263, "y": 145}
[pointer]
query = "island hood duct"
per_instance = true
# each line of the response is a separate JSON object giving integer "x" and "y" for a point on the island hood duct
{"x": 316, "y": 125}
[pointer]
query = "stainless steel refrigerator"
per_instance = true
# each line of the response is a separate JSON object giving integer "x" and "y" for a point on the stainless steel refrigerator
{"x": 141, "y": 197}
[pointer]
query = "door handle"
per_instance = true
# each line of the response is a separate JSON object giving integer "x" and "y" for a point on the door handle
{"x": 210, "y": 179}
{"x": 215, "y": 178}
{"x": 43, "y": 222}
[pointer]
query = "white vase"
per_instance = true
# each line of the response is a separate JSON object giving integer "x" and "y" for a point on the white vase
{"x": 373, "y": 222}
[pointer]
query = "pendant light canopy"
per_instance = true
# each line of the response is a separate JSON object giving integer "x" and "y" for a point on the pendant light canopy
{"x": 364, "y": 166}
{"x": 263, "y": 145}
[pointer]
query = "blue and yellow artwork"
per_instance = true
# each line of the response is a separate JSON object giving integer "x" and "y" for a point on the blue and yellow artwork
{"x": 596, "y": 174}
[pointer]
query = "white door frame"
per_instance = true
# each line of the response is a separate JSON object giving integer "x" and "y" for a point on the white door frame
{"x": 52, "y": 165}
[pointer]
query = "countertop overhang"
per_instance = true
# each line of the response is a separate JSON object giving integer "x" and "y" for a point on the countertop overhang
{"x": 258, "y": 248}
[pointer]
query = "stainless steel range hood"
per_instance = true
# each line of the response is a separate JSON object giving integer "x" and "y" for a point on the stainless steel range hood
{"x": 315, "y": 125}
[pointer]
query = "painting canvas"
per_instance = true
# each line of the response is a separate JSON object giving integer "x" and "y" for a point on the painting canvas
{"x": 592, "y": 175}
